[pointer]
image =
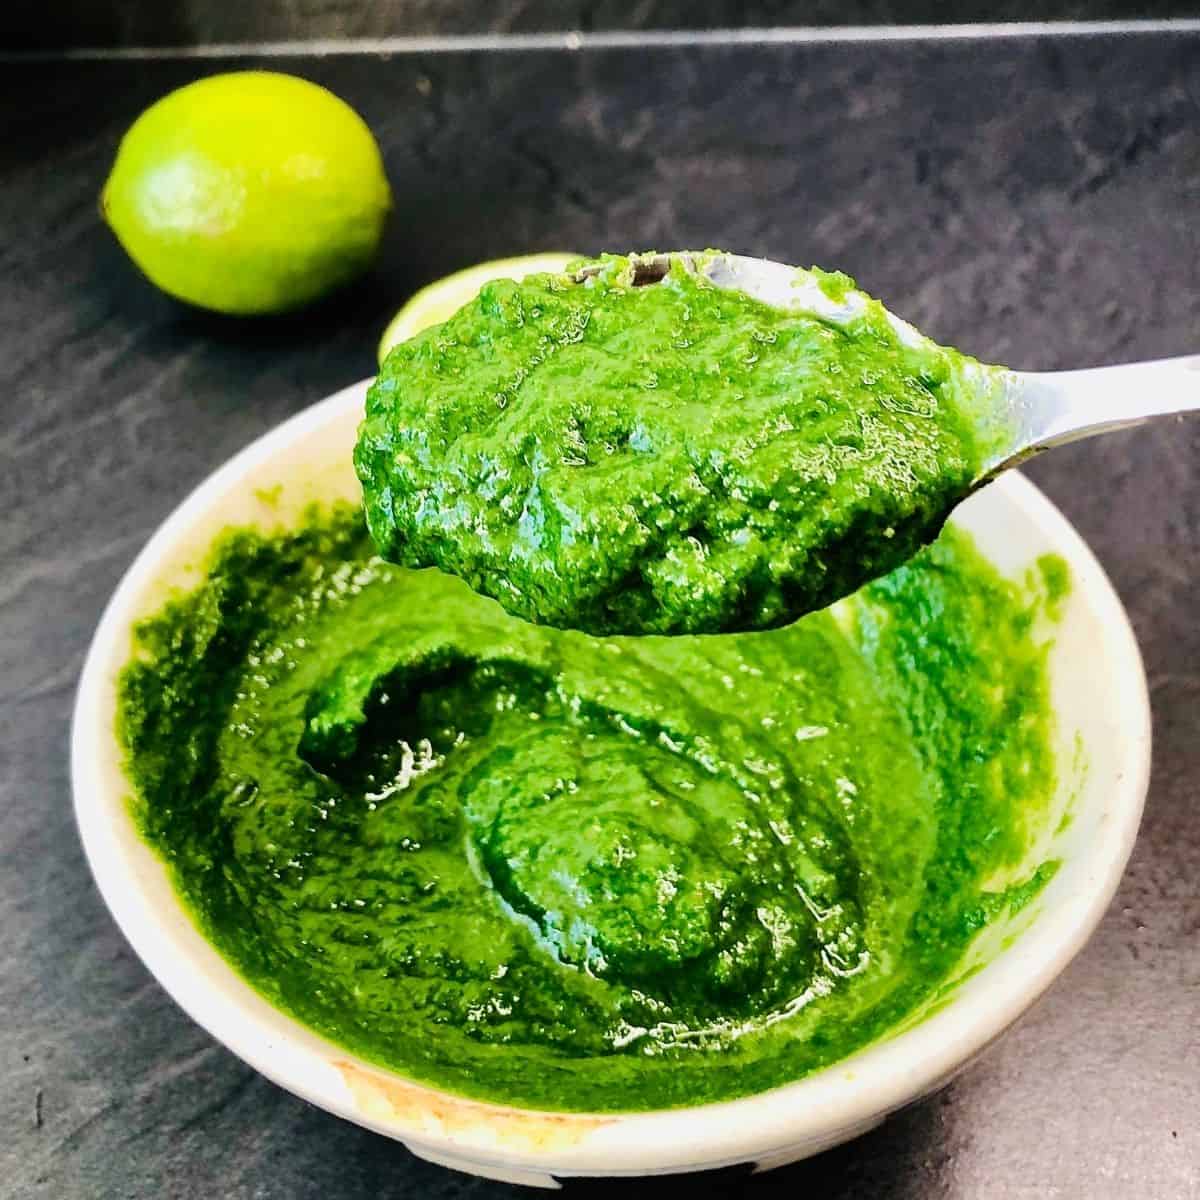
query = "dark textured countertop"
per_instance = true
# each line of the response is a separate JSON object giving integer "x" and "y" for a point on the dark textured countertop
{"x": 1033, "y": 201}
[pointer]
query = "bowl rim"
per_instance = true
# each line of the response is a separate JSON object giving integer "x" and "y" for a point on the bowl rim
{"x": 849, "y": 1094}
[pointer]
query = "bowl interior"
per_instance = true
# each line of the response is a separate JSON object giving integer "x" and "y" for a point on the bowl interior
{"x": 1099, "y": 694}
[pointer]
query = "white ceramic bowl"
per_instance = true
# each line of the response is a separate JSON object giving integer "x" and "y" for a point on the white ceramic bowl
{"x": 1099, "y": 694}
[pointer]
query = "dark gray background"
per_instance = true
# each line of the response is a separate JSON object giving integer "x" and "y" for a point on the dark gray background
{"x": 1035, "y": 202}
{"x": 36, "y": 23}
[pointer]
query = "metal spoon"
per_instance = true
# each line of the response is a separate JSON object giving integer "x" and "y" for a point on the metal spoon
{"x": 1025, "y": 412}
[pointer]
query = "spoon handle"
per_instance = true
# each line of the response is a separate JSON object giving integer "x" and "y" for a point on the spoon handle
{"x": 1050, "y": 408}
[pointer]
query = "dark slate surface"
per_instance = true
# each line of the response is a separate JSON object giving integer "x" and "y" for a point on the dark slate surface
{"x": 33, "y": 23}
{"x": 1034, "y": 202}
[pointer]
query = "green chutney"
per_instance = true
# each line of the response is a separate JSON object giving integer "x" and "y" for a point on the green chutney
{"x": 672, "y": 458}
{"x": 536, "y": 867}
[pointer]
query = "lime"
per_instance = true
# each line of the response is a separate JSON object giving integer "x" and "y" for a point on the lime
{"x": 441, "y": 300}
{"x": 250, "y": 192}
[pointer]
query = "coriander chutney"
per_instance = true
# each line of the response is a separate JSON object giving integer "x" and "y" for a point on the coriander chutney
{"x": 570, "y": 873}
{"x": 672, "y": 458}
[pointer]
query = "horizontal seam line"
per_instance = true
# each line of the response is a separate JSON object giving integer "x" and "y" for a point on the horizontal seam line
{"x": 622, "y": 39}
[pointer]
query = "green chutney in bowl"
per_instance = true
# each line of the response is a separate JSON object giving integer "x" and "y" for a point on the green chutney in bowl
{"x": 917, "y": 759}
{"x": 590, "y": 874}
{"x": 582, "y": 872}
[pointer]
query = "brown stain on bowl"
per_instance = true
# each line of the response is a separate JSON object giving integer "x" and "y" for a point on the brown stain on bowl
{"x": 381, "y": 1098}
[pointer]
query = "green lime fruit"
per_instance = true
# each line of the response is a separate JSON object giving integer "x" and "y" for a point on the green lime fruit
{"x": 439, "y": 301}
{"x": 250, "y": 192}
